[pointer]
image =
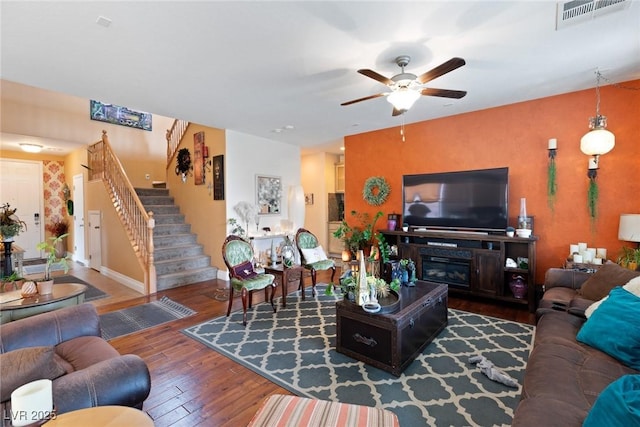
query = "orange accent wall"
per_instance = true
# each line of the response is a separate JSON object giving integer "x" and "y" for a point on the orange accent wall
{"x": 517, "y": 136}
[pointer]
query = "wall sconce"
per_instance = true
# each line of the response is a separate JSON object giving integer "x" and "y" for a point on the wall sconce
{"x": 598, "y": 140}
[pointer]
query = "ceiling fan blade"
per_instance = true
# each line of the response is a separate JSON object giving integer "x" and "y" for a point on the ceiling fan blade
{"x": 377, "y": 95}
{"x": 375, "y": 76}
{"x": 444, "y": 93}
{"x": 441, "y": 69}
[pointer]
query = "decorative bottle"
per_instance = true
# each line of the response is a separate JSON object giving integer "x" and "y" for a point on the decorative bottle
{"x": 274, "y": 254}
{"x": 522, "y": 217}
{"x": 362, "y": 296}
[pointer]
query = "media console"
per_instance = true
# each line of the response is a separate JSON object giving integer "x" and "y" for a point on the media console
{"x": 471, "y": 263}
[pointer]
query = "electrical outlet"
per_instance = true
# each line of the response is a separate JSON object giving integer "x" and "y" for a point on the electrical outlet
{"x": 147, "y": 176}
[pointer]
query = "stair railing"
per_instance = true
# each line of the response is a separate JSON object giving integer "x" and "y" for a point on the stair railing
{"x": 174, "y": 136}
{"x": 139, "y": 225}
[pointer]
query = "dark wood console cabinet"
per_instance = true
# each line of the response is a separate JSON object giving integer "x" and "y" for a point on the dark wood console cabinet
{"x": 471, "y": 263}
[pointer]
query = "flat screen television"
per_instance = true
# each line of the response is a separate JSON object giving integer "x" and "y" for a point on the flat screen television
{"x": 463, "y": 200}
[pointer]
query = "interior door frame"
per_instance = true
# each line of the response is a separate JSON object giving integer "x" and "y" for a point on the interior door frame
{"x": 79, "y": 237}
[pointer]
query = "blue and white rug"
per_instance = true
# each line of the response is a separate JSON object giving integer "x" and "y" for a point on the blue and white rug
{"x": 295, "y": 348}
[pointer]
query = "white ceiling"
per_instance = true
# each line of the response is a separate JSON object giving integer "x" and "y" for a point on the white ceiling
{"x": 257, "y": 66}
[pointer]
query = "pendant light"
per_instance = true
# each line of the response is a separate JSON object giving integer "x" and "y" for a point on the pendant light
{"x": 598, "y": 140}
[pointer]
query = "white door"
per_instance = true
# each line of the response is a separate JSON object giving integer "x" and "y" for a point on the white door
{"x": 78, "y": 219}
{"x": 21, "y": 186}
{"x": 95, "y": 241}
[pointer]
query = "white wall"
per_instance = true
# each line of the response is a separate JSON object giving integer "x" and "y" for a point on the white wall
{"x": 248, "y": 156}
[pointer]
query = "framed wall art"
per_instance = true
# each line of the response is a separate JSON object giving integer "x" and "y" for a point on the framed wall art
{"x": 308, "y": 198}
{"x": 218, "y": 177}
{"x": 268, "y": 194}
{"x": 198, "y": 161}
{"x": 118, "y": 115}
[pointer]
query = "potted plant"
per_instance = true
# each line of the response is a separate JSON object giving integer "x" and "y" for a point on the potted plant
{"x": 10, "y": 224}
{"x": 361, "y": 236}
{"x": 629, "y": 258}
{"x": 59, "y": 228}
{"x": 49, "y": 247}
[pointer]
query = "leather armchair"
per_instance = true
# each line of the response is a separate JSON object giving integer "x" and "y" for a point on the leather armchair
{"x": 95, "y": 373}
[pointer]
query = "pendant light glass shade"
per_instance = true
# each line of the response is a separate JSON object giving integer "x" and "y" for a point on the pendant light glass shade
{"x": 598, "y": 140}
{"x": 403, "y": 99}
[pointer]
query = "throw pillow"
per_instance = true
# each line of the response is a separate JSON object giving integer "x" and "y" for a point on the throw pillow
{"x": 632, "y": 286}
{"x": 19, "y": 367}
{"x": 617, "y": 405}
{"x": 613, "y": 328}
{"x": 314, "y": 254}
{"x": 244, "y": 270}
{"x": 606, "y": 278}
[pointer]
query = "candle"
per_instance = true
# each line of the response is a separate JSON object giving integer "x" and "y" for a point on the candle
{"x": 577, "y": 258}
{"x": 593, "y": 163}
{"x": 587, "y": 257}
{"x": 573, "y": 249}
{"x": 553, "y": 144}
{"x": 601, "y": 253}
{"x": 31, "y": 402}
{"x": 592, "y": 251}
{"x": 582, "y": 247}
{"x": 597, "y": 261}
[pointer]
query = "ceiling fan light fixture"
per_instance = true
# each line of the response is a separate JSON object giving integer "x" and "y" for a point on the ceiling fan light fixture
{"x": 31, "y": 148}
{"x": 403, "y": 99}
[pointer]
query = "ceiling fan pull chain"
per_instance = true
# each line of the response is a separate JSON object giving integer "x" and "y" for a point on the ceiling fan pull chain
{"x": 402, "y": 128}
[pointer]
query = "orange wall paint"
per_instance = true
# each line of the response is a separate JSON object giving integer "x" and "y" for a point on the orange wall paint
{"x": 517, "y": 136}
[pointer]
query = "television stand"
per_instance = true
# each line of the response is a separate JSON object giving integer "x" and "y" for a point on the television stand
{"x": 469, "y": 262}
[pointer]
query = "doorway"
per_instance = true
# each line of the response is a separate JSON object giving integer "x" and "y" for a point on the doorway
{"x": 21, "y": 186}
{"x": 78, "y": 219}
{"x": 95, "y": 240}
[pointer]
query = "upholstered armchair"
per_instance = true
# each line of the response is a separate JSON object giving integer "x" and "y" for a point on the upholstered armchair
{"x": 238, "y": 256}
{"x": 312, "y": 256}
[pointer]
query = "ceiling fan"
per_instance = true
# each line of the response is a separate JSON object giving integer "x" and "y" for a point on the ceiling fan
{"x": 406, "y": 88}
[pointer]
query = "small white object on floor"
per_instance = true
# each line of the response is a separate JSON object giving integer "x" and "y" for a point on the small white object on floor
{"x": 493, "y": 373}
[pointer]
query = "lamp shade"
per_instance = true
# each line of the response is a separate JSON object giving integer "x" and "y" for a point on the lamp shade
{"x": 629, "y": 230}
{"x": 403, "y": 99}
{"x": 597, "y": 142}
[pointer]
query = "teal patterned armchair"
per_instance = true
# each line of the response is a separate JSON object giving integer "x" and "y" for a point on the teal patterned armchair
{"x": 312, "y": 256}
{"x": 238, "y": 256}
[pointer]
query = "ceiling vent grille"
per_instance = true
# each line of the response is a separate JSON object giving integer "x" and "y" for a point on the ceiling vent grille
{"x": 578, "y": 11}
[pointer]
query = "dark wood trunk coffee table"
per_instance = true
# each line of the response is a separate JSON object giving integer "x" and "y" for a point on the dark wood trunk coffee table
{"x": 391, "y": 341}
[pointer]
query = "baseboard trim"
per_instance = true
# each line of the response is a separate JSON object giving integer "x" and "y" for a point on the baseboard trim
{"x": 124, "y": 280}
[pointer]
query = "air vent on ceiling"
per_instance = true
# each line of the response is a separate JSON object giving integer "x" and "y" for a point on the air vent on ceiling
{"x": 577, "y": 11}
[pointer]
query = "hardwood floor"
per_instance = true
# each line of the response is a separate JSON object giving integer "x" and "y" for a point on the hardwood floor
{"x": 194, "y": 385}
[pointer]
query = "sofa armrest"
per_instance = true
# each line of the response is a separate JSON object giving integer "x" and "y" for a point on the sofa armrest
{"x": 52, "y": 328}
{"x": 561, "y": 277}
{"x": 123, "y": 381}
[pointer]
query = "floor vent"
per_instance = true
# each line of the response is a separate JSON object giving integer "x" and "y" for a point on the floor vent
{"x": 578, "y": 11}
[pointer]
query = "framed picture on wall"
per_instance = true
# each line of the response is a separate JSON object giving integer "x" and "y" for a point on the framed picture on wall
{"x": 308, "y": 198}
{"x": 198, "y": 154}
{"x": 218, "y": 177}
{"x": 268, "y": 194}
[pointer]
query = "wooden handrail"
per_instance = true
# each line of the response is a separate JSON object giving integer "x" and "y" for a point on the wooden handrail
{"x": 174, "y": 136}
{"x": 105, "y": 165}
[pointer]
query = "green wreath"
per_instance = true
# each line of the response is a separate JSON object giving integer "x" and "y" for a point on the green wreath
{"x": 378, "y": 197}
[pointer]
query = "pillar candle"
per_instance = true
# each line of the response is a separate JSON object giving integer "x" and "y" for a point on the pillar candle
{"x": 30, "y": 400}
{"x": 553, "y": 144}
{"x": 587, "y": 256}
{"x": 601, "y": 253}
{"x": 573, "y": 249}
{"x": 597, "y": 261}
{"x": 582, "y": 247}
{"x": 577, "y": 258}
{"x": 593, "y": 163}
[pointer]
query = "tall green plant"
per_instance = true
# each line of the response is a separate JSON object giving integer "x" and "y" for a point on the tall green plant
{"x": 552, "y": 186}
{"x": 592, "y": 198}
{"x": 49, "y": 248}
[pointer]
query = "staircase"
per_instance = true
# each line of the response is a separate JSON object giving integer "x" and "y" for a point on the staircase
{"x": 178, "y": 258}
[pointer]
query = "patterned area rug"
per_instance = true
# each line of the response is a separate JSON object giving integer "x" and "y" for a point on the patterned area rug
{"x": 295, "y": 348}
{"x": 134, "y": 319}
